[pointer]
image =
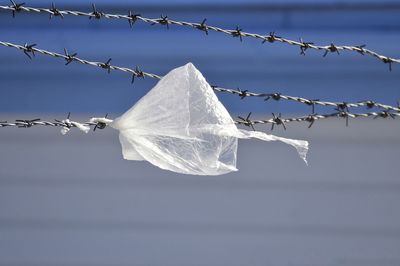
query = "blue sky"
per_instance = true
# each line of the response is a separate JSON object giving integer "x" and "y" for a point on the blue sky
{"x": 189, "y": 2}
{"x": 49, "y": 86}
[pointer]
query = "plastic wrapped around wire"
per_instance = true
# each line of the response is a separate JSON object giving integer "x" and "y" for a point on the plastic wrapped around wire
{"x": 190, "y": 131}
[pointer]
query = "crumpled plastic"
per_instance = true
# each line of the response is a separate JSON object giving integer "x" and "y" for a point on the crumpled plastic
{"x": 181, "y": 126}
{"x": 69, "y": 123}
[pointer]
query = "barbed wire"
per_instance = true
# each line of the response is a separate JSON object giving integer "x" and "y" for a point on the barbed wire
{"x": 30, "y": 50}
{"x": 27, "y": 123}
{"x": 65, "y": 124}
{"x": 278, "y": 96}
{"x": 276, "y": 120}
{"x": 132, "y": 18}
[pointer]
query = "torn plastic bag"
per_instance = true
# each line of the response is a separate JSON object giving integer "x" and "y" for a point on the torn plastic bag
{"x": 181, "y": 126}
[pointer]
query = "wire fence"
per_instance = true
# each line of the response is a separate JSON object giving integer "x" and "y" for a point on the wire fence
{"x": 341, "y": 108}
{"x": 132, "y": 18}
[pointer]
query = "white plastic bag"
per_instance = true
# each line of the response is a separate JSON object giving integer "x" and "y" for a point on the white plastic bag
{"x": 181, "y": 126}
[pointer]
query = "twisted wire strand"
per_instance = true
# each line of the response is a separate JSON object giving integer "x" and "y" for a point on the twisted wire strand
{"x": 26, "y": 123}
{"x": 278, "y": 96}
{"x": 65, "y": 124}
{"x": 239, "y": 33}
{"x": 101, "y": 123}
{"x": 278, "y": 120}
{"x": 30, "y": 51}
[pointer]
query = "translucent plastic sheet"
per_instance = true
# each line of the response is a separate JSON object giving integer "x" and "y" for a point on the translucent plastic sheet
{"x": 181, "y": 126}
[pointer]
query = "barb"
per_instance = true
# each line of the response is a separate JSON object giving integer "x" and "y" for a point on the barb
{"x": 138, "y": 73}
{"x": 238, "y": 32}
{"x": 278, "y": 120}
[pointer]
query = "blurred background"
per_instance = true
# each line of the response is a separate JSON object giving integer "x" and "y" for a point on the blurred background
{"x": 72, "y": 200}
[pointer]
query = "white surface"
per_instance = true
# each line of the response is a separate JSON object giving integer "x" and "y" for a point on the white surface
{"x": 78, "y": 209}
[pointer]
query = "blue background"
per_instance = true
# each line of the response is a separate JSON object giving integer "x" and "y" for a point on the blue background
{"x": 46, "y": 85}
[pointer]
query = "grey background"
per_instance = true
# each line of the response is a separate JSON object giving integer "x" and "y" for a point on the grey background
{"x": 73, "y": 200}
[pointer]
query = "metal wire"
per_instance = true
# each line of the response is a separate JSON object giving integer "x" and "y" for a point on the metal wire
{"x": 238, "y": 32}
{"x": 28, "y": 123}
{"x": 30, "y": 50}
{"x": 278, "y": 120}
{"x": 275, "y": 120}
{"x": 278, "y": 96}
